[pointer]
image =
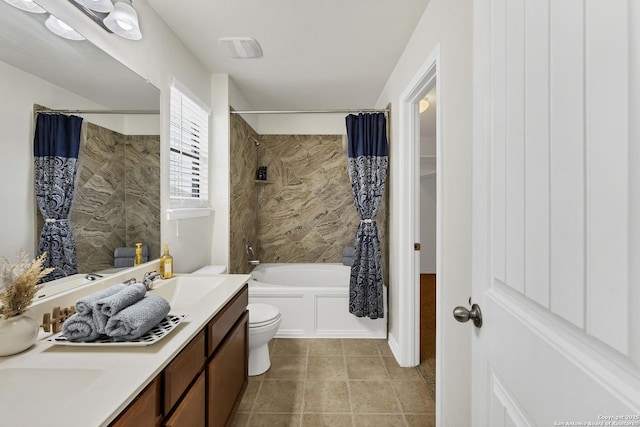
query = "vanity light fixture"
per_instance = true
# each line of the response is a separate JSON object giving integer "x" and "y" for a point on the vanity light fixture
{"x": 26, "y": 5}
{"x": 59, "y": 28}
{"x": 241, "y": 47}
{"x": 103, "y": 6}
{"x": 123, "y": 21}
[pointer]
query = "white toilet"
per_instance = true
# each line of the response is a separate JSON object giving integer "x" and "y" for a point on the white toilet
{"x": 264, "y": 320}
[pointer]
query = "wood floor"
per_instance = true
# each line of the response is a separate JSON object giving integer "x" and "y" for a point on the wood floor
{"x": 427, "y": 317}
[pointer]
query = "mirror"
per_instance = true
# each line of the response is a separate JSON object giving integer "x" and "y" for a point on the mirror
{"x": 117, "y": 183}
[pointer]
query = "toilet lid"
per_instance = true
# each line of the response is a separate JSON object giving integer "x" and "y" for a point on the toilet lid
{"x": 262, "y": 314}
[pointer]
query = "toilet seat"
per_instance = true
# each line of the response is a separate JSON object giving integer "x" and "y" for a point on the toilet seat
{"x": 262, "y": 315}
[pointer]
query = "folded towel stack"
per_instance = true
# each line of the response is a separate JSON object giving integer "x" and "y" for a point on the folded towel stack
{"x": 110, "y": 305}
{"x": 347, "y": 256}
{"x": 84, "y": 326}
{"x": 123, "y": 257}
{"x": 80, "y": 328}
{"x": 136, "y": 320}
{"x": 121, "y": 312}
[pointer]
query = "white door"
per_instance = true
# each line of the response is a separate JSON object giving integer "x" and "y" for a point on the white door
{"x": 556, "y": 213}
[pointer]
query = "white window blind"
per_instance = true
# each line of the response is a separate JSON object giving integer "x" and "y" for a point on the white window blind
{"x": 188, "y": 161}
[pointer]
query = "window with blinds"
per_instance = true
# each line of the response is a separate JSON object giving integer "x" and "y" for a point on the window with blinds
{"x": 189, "y": 136}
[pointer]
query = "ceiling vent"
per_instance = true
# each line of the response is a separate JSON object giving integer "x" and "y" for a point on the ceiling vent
{"x": 241, "y": 47}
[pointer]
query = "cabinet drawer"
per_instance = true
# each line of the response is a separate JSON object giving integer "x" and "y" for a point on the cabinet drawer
{"x": 182, "y": 370}
{"x": 224, "y": 321}
{"x": 191, "y": 411}
{"x": 145, "y": 411}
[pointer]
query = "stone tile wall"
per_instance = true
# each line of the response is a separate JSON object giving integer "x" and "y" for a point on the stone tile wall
{"x": 117, "y": 199}
{"x": 244, "y": 194}
{"x": 307, "y": 214}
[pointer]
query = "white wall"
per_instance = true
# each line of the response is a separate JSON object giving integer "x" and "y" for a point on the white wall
{"x": 158, "y": 57}
{"x": 449, "y": 24}
{"x": 302, "y": 124}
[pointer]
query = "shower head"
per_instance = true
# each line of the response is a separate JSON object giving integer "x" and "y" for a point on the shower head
{"x": 255, "y": 141}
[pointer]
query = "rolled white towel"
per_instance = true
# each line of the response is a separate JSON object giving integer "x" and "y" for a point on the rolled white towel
{"x": 136, "y": 320}
{"x": 80, "y": 328}
{"x": 86, "y": 304}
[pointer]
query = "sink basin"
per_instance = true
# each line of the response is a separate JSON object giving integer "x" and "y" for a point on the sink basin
{"x": 184, "y": 291}
{"x": 45, "y": 386}
{"x": 61, "y": 285}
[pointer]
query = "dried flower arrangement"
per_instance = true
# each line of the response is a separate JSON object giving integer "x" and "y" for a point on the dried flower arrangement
{"x": 19, "y": 283}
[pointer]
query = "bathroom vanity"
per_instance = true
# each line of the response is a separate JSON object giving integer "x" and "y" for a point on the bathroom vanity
{"x": 194, "y": 376}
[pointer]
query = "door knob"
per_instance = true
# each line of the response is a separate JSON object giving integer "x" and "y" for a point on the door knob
{"x": 462, "y": 314}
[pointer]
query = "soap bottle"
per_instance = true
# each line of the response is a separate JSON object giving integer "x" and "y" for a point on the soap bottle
{"x": 138, "y": 258}
{"x": 166, "y": 263}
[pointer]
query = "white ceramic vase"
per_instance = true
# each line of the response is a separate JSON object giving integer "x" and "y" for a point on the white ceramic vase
{"x": 17, "y": 334}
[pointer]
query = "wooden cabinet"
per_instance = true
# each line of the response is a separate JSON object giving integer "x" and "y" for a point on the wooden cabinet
{"x": 145, "y": 410}
{"x": 191, "y": 411}
{"x": 182, "y": 370}
{"x": 203, "y": 384}
{"x": 226, "y": 378}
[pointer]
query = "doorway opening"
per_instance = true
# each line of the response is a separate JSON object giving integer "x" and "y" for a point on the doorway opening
{"x": 428, "y": 159}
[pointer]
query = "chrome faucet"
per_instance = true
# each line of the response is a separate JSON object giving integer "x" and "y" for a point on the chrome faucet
{"x": 93, "y": 276}
{"x": 149, "y": 278}
{"x": 251, "y": 254}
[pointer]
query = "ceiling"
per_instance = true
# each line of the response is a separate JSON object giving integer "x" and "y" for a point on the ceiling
{"x": 318, "y": 54}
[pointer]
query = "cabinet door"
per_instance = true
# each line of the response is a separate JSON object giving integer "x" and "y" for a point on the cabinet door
{"x": 227, "y": 374}
{"x": 145, "y": 411}
{"x": 191, "y": 411}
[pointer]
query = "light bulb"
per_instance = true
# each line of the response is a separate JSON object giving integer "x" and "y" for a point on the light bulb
{"x": 424, "y": 105}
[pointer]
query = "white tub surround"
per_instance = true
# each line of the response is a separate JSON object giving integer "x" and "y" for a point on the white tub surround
{"x": 90, "y": 386}
{"x": 313, "y": 300}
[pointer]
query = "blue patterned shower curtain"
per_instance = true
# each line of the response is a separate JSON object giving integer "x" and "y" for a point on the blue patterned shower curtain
{"x": 55, "y": 148}
{"x": 368, "y": 160}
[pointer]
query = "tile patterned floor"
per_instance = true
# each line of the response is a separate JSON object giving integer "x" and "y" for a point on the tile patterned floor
{"x": 335, "y": 382}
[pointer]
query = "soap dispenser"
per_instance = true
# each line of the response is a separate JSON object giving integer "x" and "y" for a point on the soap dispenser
{"x": 166, "y": 263}
{"x": 138, "y": 258}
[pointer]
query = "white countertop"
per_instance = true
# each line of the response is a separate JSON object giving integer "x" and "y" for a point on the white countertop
{"x": 123, "y": 372}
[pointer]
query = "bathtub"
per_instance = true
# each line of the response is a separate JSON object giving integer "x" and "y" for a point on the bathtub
{"x": 313, "y": 300}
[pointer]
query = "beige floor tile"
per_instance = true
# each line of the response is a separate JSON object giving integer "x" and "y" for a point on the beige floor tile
{"x": 274, "y": 420}
{"x": 421, "y": 420}
{"x": 287, "y": 368}
{"x": 326, "y": 396}
{"x": 365, "y": 368}
{"x": 325, "y": 347}
{"x": 279, "y": 396}
{"x": 240, "y": 419}
{"x": 378, "y": 420}
{"x": 327, "y": 420}
{"x": 383, "y": 347}
{"x": 290, "y": 347}
{"x": 397, "y": 372}
{"x": 413, "y": 397}
{"x": 360, "y": 347}
{"x": 373, "y": 397}
{"x": 326, "y": 368}
{"x": 249, "y": 396}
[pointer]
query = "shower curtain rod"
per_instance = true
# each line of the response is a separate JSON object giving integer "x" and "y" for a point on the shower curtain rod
{"x": 363, "y": 110}
{"x": 98, "y": 112}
